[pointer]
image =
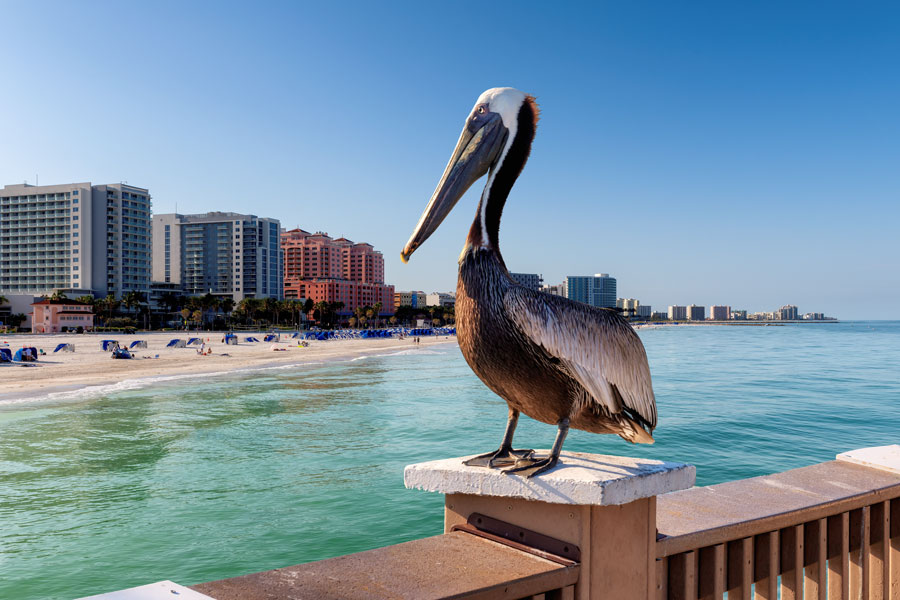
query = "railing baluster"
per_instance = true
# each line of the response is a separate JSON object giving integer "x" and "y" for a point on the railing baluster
{"x": 838, "y": 557}
{"x": 766, "y": 565}
{"x": 893, "y": 559}
{"x": 857, "y": 554}
{"x": 792, "y": 563}
{"x": 739, "y": 571}
{"x": 879, "y": 549}
{"x": 682, "y": 576}
{"x": 815, "y": 584}
{"x": 662, "y": 577}
{"x": 712, "y": 572}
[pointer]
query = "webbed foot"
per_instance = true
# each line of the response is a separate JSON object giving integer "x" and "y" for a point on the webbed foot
{"x": 529, "y": 467}
{"x": 504, "y": 457}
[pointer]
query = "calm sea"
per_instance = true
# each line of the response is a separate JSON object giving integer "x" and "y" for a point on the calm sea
{"x": 195, "y": 480}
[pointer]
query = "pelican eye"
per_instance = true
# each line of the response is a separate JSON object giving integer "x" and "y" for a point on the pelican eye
{"x": 480, "y": 110}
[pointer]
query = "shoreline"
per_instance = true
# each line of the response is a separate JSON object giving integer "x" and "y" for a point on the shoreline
{"x": 90, "y": 370}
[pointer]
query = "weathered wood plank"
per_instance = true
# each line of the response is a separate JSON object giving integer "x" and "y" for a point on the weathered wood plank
{"x": 451, "y": 565}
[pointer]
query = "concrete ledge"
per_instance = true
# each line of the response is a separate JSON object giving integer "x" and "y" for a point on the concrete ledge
{"x": 878, "y": 457}
{"x": 579, "y": 478}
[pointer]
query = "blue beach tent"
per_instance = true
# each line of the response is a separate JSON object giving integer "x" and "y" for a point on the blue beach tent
{"x": 250, "y": 339}
{"x": 121, "y": 353}
{"x": 194, "y": 341}
{"x": 26, "y": 354}
{"x": 138, "y": 344}
{"x": 175, "y": 344}
{"x": 231, "y": 339}
{"x": 109, "y": 345}
{"x": 65, "y": 348}
{"x": 271, "y": 337}
{"x": 5, "y": 355}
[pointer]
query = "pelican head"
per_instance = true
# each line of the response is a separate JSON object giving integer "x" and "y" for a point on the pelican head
{"x": 483, "y": 145}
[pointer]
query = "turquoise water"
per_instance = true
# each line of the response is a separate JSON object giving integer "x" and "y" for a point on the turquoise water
{"x": 195, "y": 481}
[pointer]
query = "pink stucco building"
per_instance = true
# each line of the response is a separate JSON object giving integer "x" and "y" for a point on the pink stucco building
{"x": 54, "y": 316}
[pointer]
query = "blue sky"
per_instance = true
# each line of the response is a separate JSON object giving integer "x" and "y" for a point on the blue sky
{"x": 705, "y": 152}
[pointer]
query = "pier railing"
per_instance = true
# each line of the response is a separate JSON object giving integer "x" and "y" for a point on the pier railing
{"x": 614, "y": 528}
{"x": 828, "y": 531}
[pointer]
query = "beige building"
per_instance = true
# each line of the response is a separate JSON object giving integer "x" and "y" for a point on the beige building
{"x": 440, "y": 299}
{"x": 78, "y": 237}
{"x": 414, "y": 299}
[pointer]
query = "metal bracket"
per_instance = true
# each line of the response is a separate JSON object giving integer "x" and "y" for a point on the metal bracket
{"x": 522, "y": 539}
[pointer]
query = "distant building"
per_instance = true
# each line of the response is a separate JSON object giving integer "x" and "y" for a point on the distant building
{"x": 555, "y": 290}
{"x": 440, "y": 299}
{"x": 78, "y": 238}
{"x": 629, "y": 306}
{"x": 696, "y": 313}
{"x": 788, "y": 313}
{"x": 414, "y": 299}
{"x": 532, "y": 281}
{"x": 599, "y": 290}
{"x": 720, "y": 313}
{"x": 659, "y": 316}
{"x": 55, "y": 316}
{"x": 739, "y": 315}
{"x": 814, "y": 316}
{"x": 677, "y": 313}
{"x": 219, "y": 253}
{"x": 322, "y": 269}
{"x": 644, "y": 311}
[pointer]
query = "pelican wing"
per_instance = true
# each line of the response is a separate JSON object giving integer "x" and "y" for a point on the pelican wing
{"x": 596, "y": 346}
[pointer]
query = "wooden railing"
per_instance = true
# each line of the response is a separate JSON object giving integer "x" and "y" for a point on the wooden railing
{"x": 825, "y": 532}
{"x": 829, "y": 531}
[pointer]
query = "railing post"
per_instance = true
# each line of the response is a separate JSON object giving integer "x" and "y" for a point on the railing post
{"x": 605, "y": 505}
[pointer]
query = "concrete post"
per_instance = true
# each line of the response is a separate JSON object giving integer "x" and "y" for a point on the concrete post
{"x": 606, "y": 505}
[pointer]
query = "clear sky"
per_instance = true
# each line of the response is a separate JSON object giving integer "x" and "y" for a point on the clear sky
{"x": 706, "y": 152}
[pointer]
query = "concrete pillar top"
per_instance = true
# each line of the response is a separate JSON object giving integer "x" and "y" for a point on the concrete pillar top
{"x": 877, "y": 457}
{"x": 579, "y": 478}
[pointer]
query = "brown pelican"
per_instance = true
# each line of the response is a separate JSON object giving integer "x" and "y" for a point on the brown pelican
{"x": 557, "y": 360}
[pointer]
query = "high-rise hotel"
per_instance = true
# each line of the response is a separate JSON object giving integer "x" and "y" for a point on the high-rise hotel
{"x": 79, "y": 238}
{"x": 220, "y": 253}
{"x": 327, "y": 270}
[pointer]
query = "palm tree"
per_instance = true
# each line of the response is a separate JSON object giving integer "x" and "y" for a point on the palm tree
{"x": 378, "y": 307}
{"x": 322, "y": 308}
{"x": 59, "y": 295}
{"x": 3, "y": 300}
{"x": 109, "y": 304}
{"x": 227, "y": 304}
{"x": 208, "y": 302}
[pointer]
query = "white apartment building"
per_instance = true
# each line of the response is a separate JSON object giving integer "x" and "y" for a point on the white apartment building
{"x": 696, "y": 313}
{"x": 219, "y": 253}
{"x": 440, "y": 299}
{"x": 78, "y": 237}
{"x": 677, "y": 313}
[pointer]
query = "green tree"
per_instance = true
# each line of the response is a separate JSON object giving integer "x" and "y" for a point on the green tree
{"x": 378, "y": 307}
{"x": 59, "y": 295}
{"x": 16, "y": 320}
{"x": 3, "y": 300}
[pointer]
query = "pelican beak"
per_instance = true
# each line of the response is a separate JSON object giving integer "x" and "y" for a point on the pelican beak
{"x": 476, "y": 152}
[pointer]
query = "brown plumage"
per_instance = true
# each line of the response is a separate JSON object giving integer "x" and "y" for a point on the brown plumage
{"x": 556, "y": 360}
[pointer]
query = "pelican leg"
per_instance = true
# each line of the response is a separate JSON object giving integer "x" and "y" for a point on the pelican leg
{"x": 529, "y": 467}
{"x": 505, "y": 456}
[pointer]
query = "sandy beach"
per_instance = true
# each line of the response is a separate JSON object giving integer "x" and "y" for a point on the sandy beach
{"x": 89, "y": 365}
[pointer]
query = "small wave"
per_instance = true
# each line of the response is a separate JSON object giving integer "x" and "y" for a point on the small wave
{"x": 94, "y": 391}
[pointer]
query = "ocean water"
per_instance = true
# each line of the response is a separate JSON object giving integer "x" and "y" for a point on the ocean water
{"x": 196, "y": 480}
